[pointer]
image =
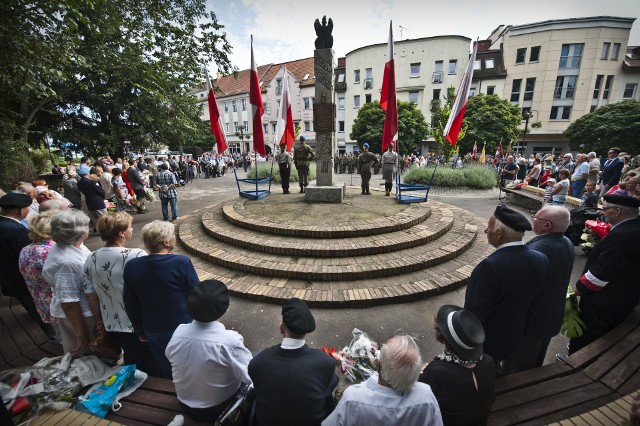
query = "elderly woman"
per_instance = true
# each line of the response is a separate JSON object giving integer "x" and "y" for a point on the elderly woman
{"x": 156, "y": 288}
{"x": 31, "y": 262}
{"x": 63, "y": 271}
{"x": 104, "y": 286}
{"x": 462, "y": 377}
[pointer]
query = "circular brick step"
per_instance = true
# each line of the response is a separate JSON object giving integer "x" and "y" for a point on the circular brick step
{"x": 459, "y": 238}
{"x": 438, "y": 223}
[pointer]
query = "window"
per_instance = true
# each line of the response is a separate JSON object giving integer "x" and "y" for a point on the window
{"x": 245, "y": 125}
{"x": 477, "y": 65}
{"x": 356, "y": 101}
{"x": 560, "y": 113}
{"x": 413, "y": 97}
{"x": 515, "y": 90}
{"x": 225, "y": 106}
{"x": 570, "y": 56}
{"x": 596, "y": 90}
{"x": 341, "y": 126}
{"x": 534, "y": 56}
{"x": 529, "y": 88}
{"x": 235, "y": 126}
{"x": 307, "y": 126}
{"x": 226, "y": 127}
{"x": 234, "y": 108}
{"x": 244, "y": 104}
{"x": 308, "y": 103}
{"x": 265, "y": 128}
{"x": 437, "y": 74}
{"x": 368, "y": 80}
{"x": 367, "y": 98}
{"x": 593, "y": 108}
{"x": 296, "y": 124}
{"x": 341, "y": 77}
{"x": 415, "y": 70}
{"x": 605, "y": 50}
{"x": 341, "y": 102}
{"x": 488, "y": 64}
{"x": 491, "y": 90}
{"x": 273, "y": 127}
{"x": 520, "y": 55}
{"x": 472, "y": 91}
{"x": 278, "y": 86}
{"x": 356, "y": 76}
{"x": 264, "y": 106}
{"x": 607, "y": 87}
{"x": 629, "y": 91}
{"x": 565, "y": 87}
{"x": 436, "y": 93}
{"x": 615, "y": 51}
{"x": 453, "y": 66}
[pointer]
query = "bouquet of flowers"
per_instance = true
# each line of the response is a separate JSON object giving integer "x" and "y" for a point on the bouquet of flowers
{"x": 356, "y": 359}
{"x": 149, "y": 195}
{"x": 139, "y": 206}
{"x": 572, "y": 324}
{"x": 594, "y": 231}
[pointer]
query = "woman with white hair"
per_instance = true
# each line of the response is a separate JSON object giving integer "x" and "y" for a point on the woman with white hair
{"x": 63, "y": 271}
{"x": 156, "y": 288}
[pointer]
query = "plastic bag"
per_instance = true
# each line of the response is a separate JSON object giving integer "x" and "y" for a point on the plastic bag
{"x": 100, "y": 400}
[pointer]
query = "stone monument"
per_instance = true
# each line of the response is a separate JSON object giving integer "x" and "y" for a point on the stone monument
{"x": 324, "y": 117}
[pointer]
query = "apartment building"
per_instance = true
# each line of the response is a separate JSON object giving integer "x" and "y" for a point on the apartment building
{"x": 560, "y": 70}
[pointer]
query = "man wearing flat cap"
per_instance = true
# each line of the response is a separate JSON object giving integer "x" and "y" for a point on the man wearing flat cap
{"x": 499, "y": 294}
{"x": 293, "y": 383}
{"x": 209, "y": 363}
{"x": 14, "y": 207}
{"x": 609, "y": 288}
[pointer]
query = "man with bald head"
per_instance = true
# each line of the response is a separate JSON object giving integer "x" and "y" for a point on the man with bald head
{"x": 547, "y": 313}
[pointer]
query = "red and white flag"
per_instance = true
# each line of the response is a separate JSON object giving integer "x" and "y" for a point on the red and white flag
{"x": 452, "y": 129}
{"x": 285, "y": 133}
{"x": 388, "y": 100}
{"x": 257, "y": 109}
{"x": 214, "y": 117}
{"x": 499, "y": 150}
{"x": 475, "y": 150}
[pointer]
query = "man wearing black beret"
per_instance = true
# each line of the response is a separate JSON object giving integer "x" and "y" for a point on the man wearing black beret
{"x": 609, "y": 288}
{"x": 208, "y": 362}
{"x": 499, "y": 294}
{"x": 293, "y": 382}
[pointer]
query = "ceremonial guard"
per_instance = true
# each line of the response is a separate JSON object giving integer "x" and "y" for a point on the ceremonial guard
{"x": 302, "y": 155}
{"x": 365, "y": 161}
{"x": 389, "y": 164}
{"x": 284, "y": 163}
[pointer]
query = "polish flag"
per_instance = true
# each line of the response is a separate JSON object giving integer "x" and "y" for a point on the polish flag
{"x": 214, "y": 117}
{"x": 454, "y": 123}
{"x": 388, "y": 97}
{"x": 285, "y": 134}
{"x": 475, "y": 150}
{"x": 257, "y": 109}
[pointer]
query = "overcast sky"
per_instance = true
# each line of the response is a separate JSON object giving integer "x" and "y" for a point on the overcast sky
{"x": 283, "y": 29}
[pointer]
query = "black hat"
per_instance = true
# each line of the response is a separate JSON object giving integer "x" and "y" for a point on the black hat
{"x": 297, "y": 317}
{"x": 462, "y": 330}
{"x": 15, "y": 200}
{"x": 512, "y": 219}
{"x": 622, "y": 200}
{"x": 208, "y": 301}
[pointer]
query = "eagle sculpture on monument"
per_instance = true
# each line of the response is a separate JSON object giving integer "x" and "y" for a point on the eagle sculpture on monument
{"x": 323, "y": 31}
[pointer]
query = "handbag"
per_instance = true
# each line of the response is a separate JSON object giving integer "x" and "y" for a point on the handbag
{"x": 239, "y": 410}
{"x": 104, "y": 347}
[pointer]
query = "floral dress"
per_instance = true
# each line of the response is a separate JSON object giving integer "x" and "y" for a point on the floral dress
{"x": 31, "y": 261}
{"x": 120, "y": 188}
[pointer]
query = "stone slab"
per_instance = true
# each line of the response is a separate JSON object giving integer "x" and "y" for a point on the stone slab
{"x": 324, "y": 194}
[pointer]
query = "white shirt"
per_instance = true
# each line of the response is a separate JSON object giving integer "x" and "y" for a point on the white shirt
{"x": 63, "y": 271}
{"x": 289, "y": 343}
{"x": 208, "y": 363}
{"x": 370, "y": 403}
{"x": 580, "y": 170}
{"x": 103, "y": 275}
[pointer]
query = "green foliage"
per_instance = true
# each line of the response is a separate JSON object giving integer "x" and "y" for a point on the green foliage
{"x": 610, "y": 125}
{"x": 490, "y": 119}
{"x": 16, "y": 167}
{"x": 41, "y": 160}
{"x": 477, "y": 177}
{"x": 439, "y": 117}
{"x": 264, "y": 170}
{"x": 369, "y": 124}
{"x": 572, "y": 324}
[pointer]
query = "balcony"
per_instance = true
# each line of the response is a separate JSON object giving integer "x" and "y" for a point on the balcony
{"x": 437, "y": 77}
{"x": 570, "y": 61}
{"x": 368, "y": 83}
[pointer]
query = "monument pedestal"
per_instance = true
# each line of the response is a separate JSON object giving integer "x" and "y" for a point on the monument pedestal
{"x": 324, "y": 194}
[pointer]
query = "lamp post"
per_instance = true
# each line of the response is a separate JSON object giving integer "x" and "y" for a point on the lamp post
{"x": 527, "y": 115}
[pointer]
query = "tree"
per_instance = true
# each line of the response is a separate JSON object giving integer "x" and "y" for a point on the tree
{"x": 439, "y": 117}
{"x": 610, "y": 125}
{"x": 490, "y": 119}
{"x": 368, "y": 126}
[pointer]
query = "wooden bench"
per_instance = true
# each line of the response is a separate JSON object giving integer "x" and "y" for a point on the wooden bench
{"x": 602, "y": 372}
{"x": 530, "y": 197}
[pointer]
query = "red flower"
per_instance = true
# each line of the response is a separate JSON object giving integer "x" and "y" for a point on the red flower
{"x": 601, "y": 229}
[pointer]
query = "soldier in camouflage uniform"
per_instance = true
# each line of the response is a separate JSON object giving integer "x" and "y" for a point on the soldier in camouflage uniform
{"x": 302, "y": 155}
{"x": 351, "y": 161}
{"x": 343, "y": 164}
{"x": 336, "y": 163}
{"x": 284, "y": 163}
{"x": 365, "y": 161}
{"x": 389, "y": 167}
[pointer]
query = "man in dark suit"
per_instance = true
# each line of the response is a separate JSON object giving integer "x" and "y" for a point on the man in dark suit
{"x": 549, "y": 225}
{"x": 499, "y": 293}
{"x": 611, "y": 171}
{"x": 293, "y": 383}
{"x": 135, "y": 178}
{"x": 14, "y": 207}
{"x": 608, "y": 288}
{"x": 94, "y": 195}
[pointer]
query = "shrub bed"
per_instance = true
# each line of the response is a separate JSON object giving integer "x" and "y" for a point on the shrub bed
{"x": 477, "y": 177}
{"x": 264, "y": 170}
